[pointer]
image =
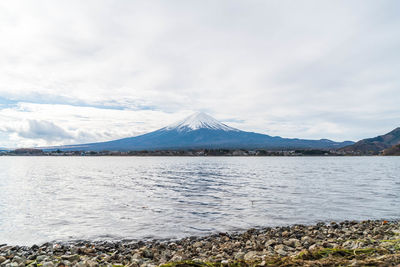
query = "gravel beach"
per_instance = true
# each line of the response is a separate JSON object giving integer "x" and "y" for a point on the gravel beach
{"x": 348, "y": 243}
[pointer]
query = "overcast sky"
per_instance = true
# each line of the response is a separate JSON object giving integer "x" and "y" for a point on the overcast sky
{"x": 84, "y": 71}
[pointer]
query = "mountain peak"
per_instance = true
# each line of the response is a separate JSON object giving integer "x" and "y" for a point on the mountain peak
{"x": 197, "y": 121}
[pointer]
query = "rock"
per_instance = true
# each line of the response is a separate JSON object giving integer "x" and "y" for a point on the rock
{"x": 176, "y": 258}
{"x": 18, "y": 259}
{"x": 91, "y": 263}
{"x": 251, "y": 255}
{"x": 147, "y": 253}
{"x": 239, "y": 256}
{"x": 89, "y": 251}
{"x": 270, "y": 242}
{"x": 48, "y": 264}
{"x": 312, "y": 247}
{"x": 282, "y": 252}
{"x": 356, "y": 245}
{"x": 348, "y": 244}
{"x": 135, "y": 256}
{"x": 82, "y": 264}
{"x": 41, "y": 258}
{"x": 285, "y": 234}
{"x": 134, "y": 263}
{"x": 237, "y": 244}
{"x": 219, "y": 256}
{"x": 197, "y": 244}
{"x": 308, "y": 240}
{"x": 71, "y": 258}
{"x": 279, "y": 246}
{"x": 5, "y": 248}
{"x": 248, "y": 244}
{"x": 252, "y": 246}
{"x": 292, "y": 242}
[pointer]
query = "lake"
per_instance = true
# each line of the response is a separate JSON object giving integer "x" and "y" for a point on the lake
{"x": 68, "y": 198}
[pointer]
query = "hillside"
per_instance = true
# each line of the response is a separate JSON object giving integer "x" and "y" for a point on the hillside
{"x": 393, "y": 151}
{"x": 376, "y": 144}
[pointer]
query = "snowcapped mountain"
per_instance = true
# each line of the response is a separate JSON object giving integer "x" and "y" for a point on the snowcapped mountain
{"x": 200, "y": 131}
{"x": 197, "y": 121}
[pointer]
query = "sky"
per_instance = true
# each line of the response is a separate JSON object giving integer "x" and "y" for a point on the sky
{"x": 76, "y": 71}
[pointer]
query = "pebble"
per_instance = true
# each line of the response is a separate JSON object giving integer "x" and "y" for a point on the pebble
{"x": 254, "y": 245}
{"x": 250, "y": 255}
{"x": 71, "y": 258}
{"x": 41, "y": 258}
{"x": 48, "y": 264}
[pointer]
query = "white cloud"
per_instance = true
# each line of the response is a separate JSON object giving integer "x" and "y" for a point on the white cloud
{"x": 43, "y": 130}
{"x": 307, "y": 69}
{"x": 53, "y": 124}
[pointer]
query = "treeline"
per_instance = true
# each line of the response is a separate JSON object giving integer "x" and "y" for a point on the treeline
{"x": 191, "y": 152}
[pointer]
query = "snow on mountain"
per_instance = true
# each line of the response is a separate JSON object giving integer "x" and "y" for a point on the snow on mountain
{"x": 197, "y": 121}
{"x": 200, "y": 131}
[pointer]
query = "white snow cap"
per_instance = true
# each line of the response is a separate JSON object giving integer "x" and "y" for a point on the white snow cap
{"x": 199, "y": 120}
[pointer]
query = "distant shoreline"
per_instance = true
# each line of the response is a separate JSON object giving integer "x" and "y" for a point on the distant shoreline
{"x": 190, "y": 153}
{"x": 355, "y": 243}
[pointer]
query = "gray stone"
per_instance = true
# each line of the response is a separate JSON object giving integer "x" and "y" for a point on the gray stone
{"x": 250, "y": 255}
{"x": 147, "y": 253}
{"x": 249, "y": 244}
{"x": 48, "y": 264}
{"x": 197, "y": 245}
{"x": 292, "y": 242}
{"x": 280, "y": 246}
{"x": 348, "y": 244}
{"x": 18, "y": 259}
{"x": 239, "y": 256}
{"x": 308, "y": 240}
{"x": 2, "y": 259}
{"x": 270, "y": 242}
{"x": 80, "y": 264}
{"x": 41, "y": 258}
{"x": 5, "y": 248}
{"x": 91, "y": 263}
{"x": 71, "y": 258}
{"x": 281, "y": 252}
{"x": 176, "y": 258}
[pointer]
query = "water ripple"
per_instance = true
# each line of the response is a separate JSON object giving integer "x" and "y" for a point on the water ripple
{"x": 48, "y": 198}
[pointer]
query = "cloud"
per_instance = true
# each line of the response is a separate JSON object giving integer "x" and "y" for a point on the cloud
{"x": 32, "y": 124}
{"x": 306, "y": 69}
{"x": 43, "y": 130}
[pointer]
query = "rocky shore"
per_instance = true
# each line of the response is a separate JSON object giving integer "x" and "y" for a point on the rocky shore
{"x": 348, "y": 243}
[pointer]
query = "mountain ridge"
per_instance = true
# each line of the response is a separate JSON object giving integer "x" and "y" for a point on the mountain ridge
{"x": 376, "y": 144}
{"x": 201, "y": 131}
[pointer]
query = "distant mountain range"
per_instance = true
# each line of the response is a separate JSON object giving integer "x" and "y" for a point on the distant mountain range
{"x": 201, "y": 131}
{"x": 376, "y": 144}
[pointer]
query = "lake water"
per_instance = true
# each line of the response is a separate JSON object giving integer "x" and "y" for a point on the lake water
{"x": 63, "y": 198}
